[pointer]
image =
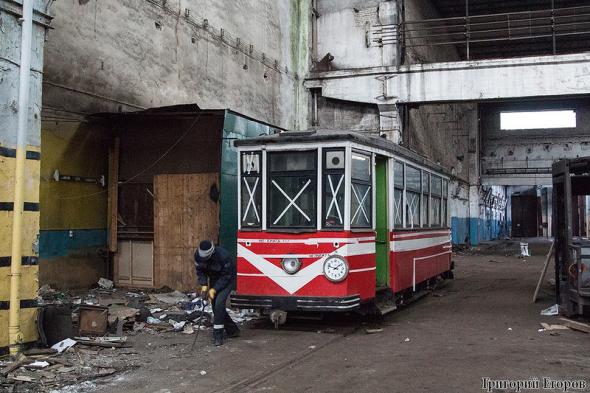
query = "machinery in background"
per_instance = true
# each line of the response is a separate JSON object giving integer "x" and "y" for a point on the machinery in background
{"x": 571, "y": 181}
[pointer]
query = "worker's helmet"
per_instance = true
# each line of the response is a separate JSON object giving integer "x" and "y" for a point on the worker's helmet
{"x": 206, "y": 249}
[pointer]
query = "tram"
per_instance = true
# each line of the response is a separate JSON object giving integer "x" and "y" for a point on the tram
{"x": 337, "y": 221}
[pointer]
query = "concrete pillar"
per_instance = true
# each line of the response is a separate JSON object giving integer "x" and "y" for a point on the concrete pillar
{"x": 388, "y": 15}
{"x": 389, "y": 122}
{"x": 10, "y": 13}
{"x": 474, "y": 183}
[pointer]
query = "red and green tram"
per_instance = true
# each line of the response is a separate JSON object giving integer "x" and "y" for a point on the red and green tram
{"x": 336, "y": 221}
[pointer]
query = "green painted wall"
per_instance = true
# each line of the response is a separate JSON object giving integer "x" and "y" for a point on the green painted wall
{"x": 234, "y": 127}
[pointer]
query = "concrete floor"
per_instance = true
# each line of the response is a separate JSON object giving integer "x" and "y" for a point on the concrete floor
{"x": 482, "y": 324}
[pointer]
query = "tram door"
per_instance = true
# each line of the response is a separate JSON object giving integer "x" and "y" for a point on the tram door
{"x": 382, "y": 230}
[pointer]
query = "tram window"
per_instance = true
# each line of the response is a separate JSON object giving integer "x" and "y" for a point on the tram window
{"x": 333, "y": 193}
{"x": 251, "y": 190}
{"x": 435, "y": 198}
{"x": 413, "y": 183}
{"x": 292, "y": 189}
{"x": 425, "y": 197}
{"x": 398, "y": 194}
{"x": 361, "y": 213}
{"x": 445, "y": 195}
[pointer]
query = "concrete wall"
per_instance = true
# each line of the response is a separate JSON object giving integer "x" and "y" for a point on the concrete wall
{"x": 416, "y": 10}
{"x": 345, "y": 115}
{"x": 108, "y": 55}
{"x": 337, "y": 21}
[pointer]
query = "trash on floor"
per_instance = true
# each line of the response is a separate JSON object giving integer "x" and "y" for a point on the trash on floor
{"x": 547, "y": 326}
{"x": 63, "y": 345}
{"x": 575, "y": 325}
{"x": 553, "y": 310}
{"x": 105, "y": 283}
{"x": 373, "y": 331}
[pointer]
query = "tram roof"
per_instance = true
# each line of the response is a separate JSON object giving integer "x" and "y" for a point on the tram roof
{"x": 319, "y": 136}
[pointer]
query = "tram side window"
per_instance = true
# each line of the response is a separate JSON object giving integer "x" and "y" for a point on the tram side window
{"x": 251, "y": 190}
{"x": 292, "y": 188}
{"x": 361, "y": 213}
{"x": 398, "y": 194}
{"x": 435, "y": 200}
{"x": 333, "y": 184}
{"x": 444, "y": 206}
{"x": 413, "y": 183}
{"x": 425, "y": 198}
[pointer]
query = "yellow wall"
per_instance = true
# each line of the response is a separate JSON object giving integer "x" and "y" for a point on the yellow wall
{"x": 73, "y": 214}
{"x": 75, "y": 150}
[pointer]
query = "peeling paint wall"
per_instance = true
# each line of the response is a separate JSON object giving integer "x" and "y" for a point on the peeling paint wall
{"x": 107, "y": 55}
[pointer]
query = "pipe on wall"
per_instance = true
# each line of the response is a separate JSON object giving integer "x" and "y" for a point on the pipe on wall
{"x": 14, "y": 326}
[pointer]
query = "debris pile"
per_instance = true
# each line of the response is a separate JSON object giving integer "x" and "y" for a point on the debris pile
{"x": 84, "y": 334}
{"x": 66, "y": 363}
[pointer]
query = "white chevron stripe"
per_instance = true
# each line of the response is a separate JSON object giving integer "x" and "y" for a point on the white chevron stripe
{"x": 293, "y": 282}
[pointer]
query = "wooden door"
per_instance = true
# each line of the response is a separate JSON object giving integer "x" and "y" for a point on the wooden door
{"x": 134, "y": 264}
{"x": 184, "y": 214}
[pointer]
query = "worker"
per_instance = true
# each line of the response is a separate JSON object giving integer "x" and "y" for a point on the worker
{"x": 216, "y": 274}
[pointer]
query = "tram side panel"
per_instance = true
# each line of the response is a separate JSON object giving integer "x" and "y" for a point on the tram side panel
{"x": 418, "y": 256}
{"x": 260, "y": 255}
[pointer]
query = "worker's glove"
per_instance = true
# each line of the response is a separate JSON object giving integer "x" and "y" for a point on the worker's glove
{"x": 212, "y": 294}
{"x": 203, "y": 294}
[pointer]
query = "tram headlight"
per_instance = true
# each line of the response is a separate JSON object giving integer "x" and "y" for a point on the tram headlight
{"x": 335, "y": 268}
{"x": 291, "y": 265}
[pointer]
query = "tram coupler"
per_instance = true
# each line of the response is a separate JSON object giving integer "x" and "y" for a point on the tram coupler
{"x": 278, "y": 317}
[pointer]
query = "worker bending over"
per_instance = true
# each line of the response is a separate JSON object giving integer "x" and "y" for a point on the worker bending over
{"x": 216, "y": 273}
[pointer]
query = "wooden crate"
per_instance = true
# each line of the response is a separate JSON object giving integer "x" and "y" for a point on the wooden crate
{"x": 184, "y": 214}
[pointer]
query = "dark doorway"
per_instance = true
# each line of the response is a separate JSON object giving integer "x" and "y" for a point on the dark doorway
{"x": 525, "y": 213}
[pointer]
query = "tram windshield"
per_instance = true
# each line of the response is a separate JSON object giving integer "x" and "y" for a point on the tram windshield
{"x": 292, "y": 189}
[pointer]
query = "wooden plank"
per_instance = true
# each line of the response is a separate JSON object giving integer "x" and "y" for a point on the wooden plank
{"x": 579, "y": 326}
{"x": 183, "y": 216}
{"x": 543, "y": 272}
{"x": 113, "y": 195}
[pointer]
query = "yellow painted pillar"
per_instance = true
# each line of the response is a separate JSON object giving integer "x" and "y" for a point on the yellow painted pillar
{"x": 14, "y": 333}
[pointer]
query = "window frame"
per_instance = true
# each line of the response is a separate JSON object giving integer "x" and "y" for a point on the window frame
{"x": 433, "y": 198}
{"x": 402, "y": 190}
{"x": 260, "y": 187}
{"x": 325, "y": 172}
{"x": 362, "y": 182}
{"x": 413, "y": 191}
{"x": 313, "y": 173}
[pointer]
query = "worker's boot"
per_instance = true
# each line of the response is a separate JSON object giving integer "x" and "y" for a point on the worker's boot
{"x": 218, "y": 337}
{"x": 232, "y": 330}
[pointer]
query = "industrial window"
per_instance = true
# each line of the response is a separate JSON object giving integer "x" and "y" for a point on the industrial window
{"x": 398, "y": 194}
{"x": 413, "y": 186}
{"x": 333, "y": 184}
{"x": 251, "y": 190}
{"x": 435, "y": 201}
{"x": 425, "y": 198}
{"x": 292, "y": 183}
{"x": 537, "y": 120}
{"x": 361, "y": 214}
